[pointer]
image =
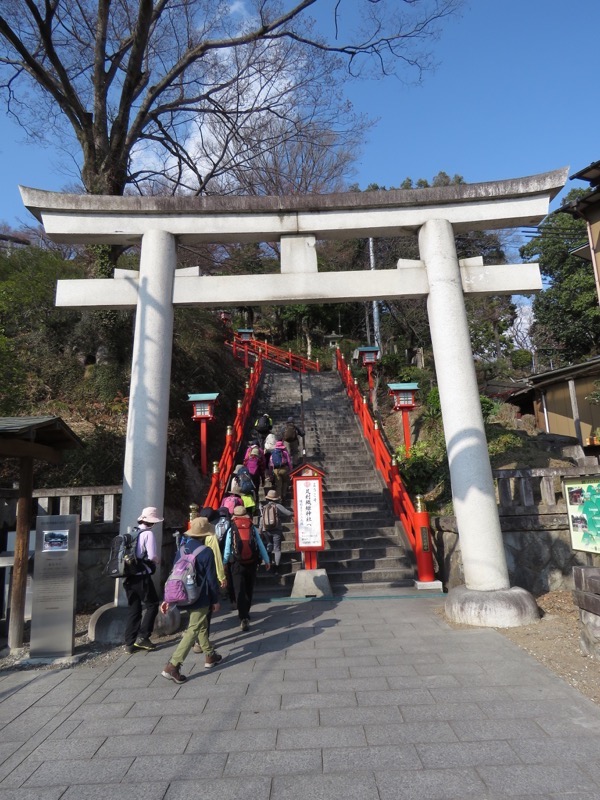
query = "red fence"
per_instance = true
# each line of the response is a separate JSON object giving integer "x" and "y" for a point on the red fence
{"x": 222, "y": 471}
{"x": 416, "y": 523}
{"x": 250, "y": 349}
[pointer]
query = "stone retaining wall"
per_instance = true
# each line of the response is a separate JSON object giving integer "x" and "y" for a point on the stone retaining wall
{"x": 537, "y": 543}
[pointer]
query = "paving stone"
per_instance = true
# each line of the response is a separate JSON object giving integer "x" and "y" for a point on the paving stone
{"x": 7, "y": 749}
{"x": 345, "y": 759}
{"x": 224, "y": 789}
{"x": 176, "y": 705}
{"x": 442, "y": 711}
{"x": 438, "y": 784}
{"x": 153, "y": 745}
{"x": 557, "y": 750}
{"x": 351, "y": 786}
{"x": 171, "y": 767}
{"x": 127, "y": 726}
{"x": 315, "y": 700}
{"x": 304, "y": 738}
{"x": 117, "y": 791}
{"x": 473, "y": 730}
{"x": 286, "y": 718}
{"x": 409, "y": 732}
{"x": 359, "y": 716}
{"x": 514, "y": 779}
{"x": 274, "y": 762}
{"x": 46, "y": 793}
{"x": 232, "y": 741}
{"x": 395, "y": 696}
{"x": 61, "y": 749}
{"x": 216, "y": 721}
{"x": 51, "y": 773}
{"x": 465, "y": 754}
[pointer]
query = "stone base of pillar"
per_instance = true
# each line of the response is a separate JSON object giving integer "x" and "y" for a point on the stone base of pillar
{"x": 502, "y": 608}
{"x": 107, "y": 623}
{"x": 311, "y": 583}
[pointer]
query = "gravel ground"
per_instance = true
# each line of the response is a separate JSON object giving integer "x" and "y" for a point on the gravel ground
{"x": 554, "y": 641}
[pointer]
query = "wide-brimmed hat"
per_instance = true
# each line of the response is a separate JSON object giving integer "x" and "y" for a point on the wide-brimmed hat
{"x": 239, "y": 511}
{"x": 150, "y": 514}
{"x": 255, "y": 451}
{"x": 200, "y": 527}
{"x": 272, "y": 495}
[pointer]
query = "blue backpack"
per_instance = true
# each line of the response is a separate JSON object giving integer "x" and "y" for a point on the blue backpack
{"x": 245, "y": 480}
{"x": 277, "y": 458}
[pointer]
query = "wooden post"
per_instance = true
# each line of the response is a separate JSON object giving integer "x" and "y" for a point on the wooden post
{"x": 19, "y": 572}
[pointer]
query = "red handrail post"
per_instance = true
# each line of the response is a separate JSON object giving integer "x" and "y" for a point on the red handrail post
{"x": 423, "y": 549}
{"x": 406, "y": 431}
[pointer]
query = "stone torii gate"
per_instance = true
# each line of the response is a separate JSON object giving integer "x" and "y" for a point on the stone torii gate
{"x": 435, "y": 215}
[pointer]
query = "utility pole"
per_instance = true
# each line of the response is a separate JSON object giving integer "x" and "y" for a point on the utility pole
{"x": 376, "y": 328}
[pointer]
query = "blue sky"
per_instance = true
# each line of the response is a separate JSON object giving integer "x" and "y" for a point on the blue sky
{"x": 515, "y": 93}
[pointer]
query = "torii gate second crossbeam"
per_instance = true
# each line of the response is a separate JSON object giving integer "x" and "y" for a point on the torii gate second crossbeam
{"x": 435, "y": 215}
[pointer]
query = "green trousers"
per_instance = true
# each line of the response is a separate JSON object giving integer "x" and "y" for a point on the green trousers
{"x": 197, "y": 629}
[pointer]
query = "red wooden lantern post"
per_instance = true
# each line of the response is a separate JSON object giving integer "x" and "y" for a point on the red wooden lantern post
{"x": 203, "y": 412}
{"x": 307, "y": 484}
{"x": 404, "y": 401}
{"x": 245, "y": 334}
{"x": 369, "y": 357}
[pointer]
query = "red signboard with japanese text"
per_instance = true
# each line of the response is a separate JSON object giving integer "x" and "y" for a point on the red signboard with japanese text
{"x": 308, "y": 508}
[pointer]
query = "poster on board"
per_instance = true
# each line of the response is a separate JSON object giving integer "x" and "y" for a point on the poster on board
{"x": 308, "y": 513}
{"x": 582, "y": 496}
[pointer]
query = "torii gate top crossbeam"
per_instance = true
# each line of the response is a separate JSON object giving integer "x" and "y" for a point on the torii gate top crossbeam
{"x": 123, "y": 220}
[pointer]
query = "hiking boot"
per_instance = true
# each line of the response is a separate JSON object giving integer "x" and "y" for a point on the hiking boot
{"x": 171, "y": 672}
{"x": 245, "y": 624}
{"x": 212, "y": 660}
{"x": 129, "y": 648}
{"x": 197, "y": 649}
{"x": 144, "y": 644}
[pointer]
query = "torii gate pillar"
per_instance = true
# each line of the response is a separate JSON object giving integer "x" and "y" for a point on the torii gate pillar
{"x": 487, "y": 598}
{"x": 148, "y": 420}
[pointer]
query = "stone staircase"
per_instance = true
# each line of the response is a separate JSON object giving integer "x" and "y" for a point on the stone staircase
{"x": 364, "y": 541}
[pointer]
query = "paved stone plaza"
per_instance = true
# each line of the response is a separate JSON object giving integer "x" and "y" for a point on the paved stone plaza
{"x": 362, "y": 697}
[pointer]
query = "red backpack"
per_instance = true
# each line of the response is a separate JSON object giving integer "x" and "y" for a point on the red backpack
{"x": 245, "y": 548}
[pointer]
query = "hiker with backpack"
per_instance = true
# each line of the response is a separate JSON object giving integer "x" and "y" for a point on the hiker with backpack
{"x": 222, "y": 526}
{"x": 244, "y": 550}
{"x": 193, "y": 585}
{"x": 243, "y": 485}
{"x": 270, "y": 442}
{"x": 139, "y": 587}
{"x": 271, "y": 523}
{"x": 262, "y": 427}
{"x": 290, "y": 434}
{"x": 254, "y": 461}
{"x": 281, "y": 466}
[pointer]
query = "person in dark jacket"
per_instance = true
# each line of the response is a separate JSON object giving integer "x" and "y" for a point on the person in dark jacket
{"x": 139, "y": 589}
{"x": 243, "y": 566}
{"x": 197, "y": 629}
{"x": 290, "y": 434}
{"x": 275, "y": 534}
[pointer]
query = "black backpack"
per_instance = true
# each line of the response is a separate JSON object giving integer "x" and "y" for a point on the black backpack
{"x": 123, "y": 560}
{"x": 263, "y": 424}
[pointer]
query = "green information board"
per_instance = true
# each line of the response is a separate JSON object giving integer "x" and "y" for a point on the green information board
{"x": 582, "y": 496}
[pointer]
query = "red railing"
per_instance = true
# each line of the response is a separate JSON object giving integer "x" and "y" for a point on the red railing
{"x": 250, "y": 349}
{"x": 222, "y": 471}
{"x": 415, "y": 523}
